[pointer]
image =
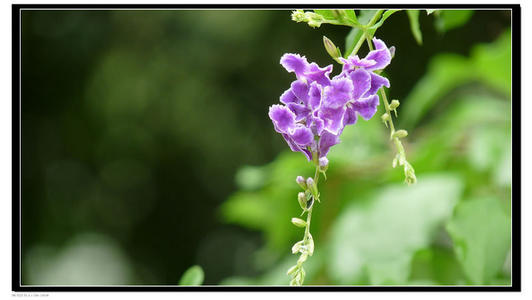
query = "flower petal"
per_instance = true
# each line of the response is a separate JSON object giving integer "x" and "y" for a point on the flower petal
{"x": 300, "y": 110}
{"x": 327, "y": 140}
{"x": 381, "y": 55}
{"x": 317, "y": 126}
{"x": 283, "y": 119}
{"x": 300, "y": 90}
{"x": 288, "y": 97}
{"x": 295, "y": 63}
{"x": 314, "y": 96}
{"x": 338, "y": 93}
{"x": 332, "y": 118}
{"x": 361, "y": 82}
{"x": 366, "y": 107}
{"x": 294, "y": 147}
{"x": 350, "y": 116}
{"x": 319, "y": 75}
{"x": 302, "y": 136}
{"x": 377, "y": 82}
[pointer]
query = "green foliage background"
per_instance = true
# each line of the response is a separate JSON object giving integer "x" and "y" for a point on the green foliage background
{"x": 147, "y": 150}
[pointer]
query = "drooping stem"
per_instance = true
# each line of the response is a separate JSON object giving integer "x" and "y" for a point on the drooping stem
{"x": 395, "y": 136}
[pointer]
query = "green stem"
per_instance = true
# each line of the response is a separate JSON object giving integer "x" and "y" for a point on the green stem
{"x": 364, "y": 29}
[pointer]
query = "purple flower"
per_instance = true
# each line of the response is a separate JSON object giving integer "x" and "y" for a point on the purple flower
{"x": 316, "y": 109}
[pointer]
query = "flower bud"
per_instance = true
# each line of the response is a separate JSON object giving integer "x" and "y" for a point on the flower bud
{"x": 312, "y": 187}
{"x": 299, "y": 16}
{"x": 302, "y": 199}
{"x": 291, "y": 270}
{"x": 310, "y": 245}
{"x": 400, "y": 133}
{"x": 299, "y": 223}
{"x": 394, "y": 104}
{"x": 296, "y": 247}
{"x": 333, "y": 51}
{"x": 323, "y": 164}
{"x": 301, "y": 181}
{"x": 302, "y": 258}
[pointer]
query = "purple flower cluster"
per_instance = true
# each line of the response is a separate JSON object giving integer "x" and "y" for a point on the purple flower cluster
{"x": 316, "y": 109}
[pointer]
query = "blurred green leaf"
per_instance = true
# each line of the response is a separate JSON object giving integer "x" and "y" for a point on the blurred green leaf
{"x": 489, "y": 65}
{"x": 251, "y": 177}
{"x": 413, "y": 17}
{"x": 380, "y": 236}
{"x": 450, "y": 19}
{"x": 430, "y": 11}
{"x": 192, "y": 276}
{"x": 480, "y": 230}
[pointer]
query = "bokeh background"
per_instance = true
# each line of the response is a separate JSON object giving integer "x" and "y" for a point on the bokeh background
{"x": 146, "y": 149}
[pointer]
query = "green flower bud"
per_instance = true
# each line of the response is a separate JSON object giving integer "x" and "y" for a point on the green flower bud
{"x": 400, "y": 133}
{"x": 302, "y": 258}
{"x": 299, "y": 16}
{"x": 299, "y": 223}
{"x": 385, "y": 118}
{"x": 323, "y": 164}
{"x": 291, "y": 270}
{"x": 333, "y": 51}
{"x": 301, "y": 181}
{"x": 310, "y": 245}
{"x": 297, "y": 247}
{"x": 394, "y": 104}
{"x": 312, "y": 187}
{"x": 302, "y": 199}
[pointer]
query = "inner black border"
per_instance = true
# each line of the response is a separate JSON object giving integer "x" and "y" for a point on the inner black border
{"x": 16, "y": 148}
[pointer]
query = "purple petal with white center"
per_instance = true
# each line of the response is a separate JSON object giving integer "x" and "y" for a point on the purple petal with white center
{"x": 377, "y": 82}
{"x": 288, "y": 97}
{"x": 350, "y": 116}
{"x": 327, "y": 140}
{"x": 295, "y": 63}
{"x": 302, "y": 136}
{"x": 361, "y": 82}
{"x": 300, "y": 90}
{"x": 283, "y": 119}
{"x": 314, "y": 96}
{"x": 333, "y": 118}
{"x": 300, "y": 110}
{"x": 366, "y": 107}
{"x": 338, "y": 93}
{"x": 381, "y": 55}
{"x": 319, "y": 75}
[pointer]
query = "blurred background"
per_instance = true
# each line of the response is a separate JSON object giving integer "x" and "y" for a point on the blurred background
{"x": 147, "y": 149}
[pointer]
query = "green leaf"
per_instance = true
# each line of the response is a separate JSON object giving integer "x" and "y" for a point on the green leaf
{"x": 327, "y": 14}
{"x": 480, "y": 231}
{"x": 430, "y": 11}
{"x": 193, "y": 276}
{"x": 450, "y": 19}
{"x": 351, "y": 15}
{"x": 377, "y": 238}
{"x": 385, "y": 16}
{"x": 413, "y": 16}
